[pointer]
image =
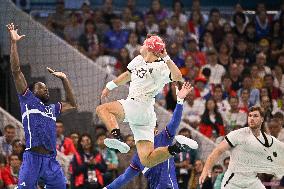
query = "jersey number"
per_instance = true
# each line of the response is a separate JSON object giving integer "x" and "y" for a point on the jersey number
{"x": 141, "y": 72}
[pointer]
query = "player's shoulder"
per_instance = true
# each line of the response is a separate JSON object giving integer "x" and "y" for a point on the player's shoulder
{"x": 242, "y": 131}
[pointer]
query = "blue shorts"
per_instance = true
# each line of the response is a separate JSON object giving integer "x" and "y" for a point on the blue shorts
{"x": 39, "y": 166}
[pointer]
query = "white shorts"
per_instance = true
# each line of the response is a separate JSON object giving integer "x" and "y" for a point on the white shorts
{"x": 141, "y": 118}
{"x": 241, "y": 181}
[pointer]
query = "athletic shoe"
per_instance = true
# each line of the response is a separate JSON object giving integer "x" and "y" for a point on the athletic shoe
{"x": 186, "y": 142}
{"x": 116, "y": 144}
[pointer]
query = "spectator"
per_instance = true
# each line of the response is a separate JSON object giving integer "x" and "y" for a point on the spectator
{"x": 18, "y": 147}
{"x": 184, "y": 162}
{"x": 89, "y": 39}
{"x": 241, "y": 51}
{"x": 136, "y": 14}
{"x": 10, "y": 173}
{"x": 86, "y": 13}
{"x": 195, "y": 174}
{"x": 227, "y": 87}
{"x": 127, "y": 23}
{"x": 75, "y": 137}
{"x": 257, "y": 81}
{"x": 124, "y": 160}
{"x": 173, "y": 52}
{"x": 254, "y": 95}
{"x": 173, "y": 28}
{"x": 189, "y": 71}
{"x": 217, "y": 94}
{"x": 163, "y": 25}
{"x": 262, "y": 25}
{"x": 201, "y": 89}
{"x": 208, "y": 43}
{"x": 179, "y": 13}
{"x": 224, "y": 55}
{"x": 274, "y": 91}
{"x": 196, "y": 24}
{"x": 218, "y": 181}
{"x": 108, "y": 13}
{"x": 122, "y": 61}
{"x": 227, "y": 27}
{"x": 260, "y": 62}
{"x": 7, "y": 140}
{"x": 211, "y": 124}
{"x": 235, "y": 74}
{"x": 234, "y": 116}
{"x": 151, "y": 24}
{"x": 158, "y": 11}
{"x": 101, "y": 26}
{"x": 181, "y": 42}
{"x": 73, "y": 29}
{"x": 87, "y": 166}
{"x": 274, "y": 127}
{"x": 116, "y": 38}
{"x": 218, "y": 32}
{"x": 217, "y": 70}
{"x": 59, "y": 18}
{"x": 244, "y": 104}
{"x": 109, "y": 157}
{"x": 141, "y": 31}
{"x": 193, "y": 50}
{"x": 63, "y": 144}
{"x": 239, "y": 20}
{"x": 193, "y": 109}
{"x": 216, "y": 171}
{"x": 267, "y": 106}
{"x": 280, "y": 122}
{"x": 251, "y": 37}
{"x": 132, "y": 45}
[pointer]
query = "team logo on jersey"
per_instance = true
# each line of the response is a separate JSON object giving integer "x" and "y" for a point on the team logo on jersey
{"x": 48, "y": 111}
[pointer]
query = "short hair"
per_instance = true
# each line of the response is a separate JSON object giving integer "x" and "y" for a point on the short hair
{"x": 214, "y": 10}
{"x": 218, "y": 166}
{"x": 233, "y": 97}
{"x": 241, "y": 15}
{"x": 14, "y": 154}
{"x": 278, "y": 115}
{"x": 32, "y": 86}
{"x": 59, "y": 121}
{"x": 9, "y": 126}
{"x": 184, "y": 130}
{"x": 257, "y": 108}
{"x": 100, "y": 134}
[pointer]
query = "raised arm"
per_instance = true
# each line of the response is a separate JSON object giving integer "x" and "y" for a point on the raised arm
{"x": 212, "y": 158}
{"x": 19, "y": 78}
{"x": 176, "y": 118}
{"x": 123, "y": 179}
{"x": 70, "y": 102}
{"x": 120, "y": 80}
{"x": 175, "y": 72}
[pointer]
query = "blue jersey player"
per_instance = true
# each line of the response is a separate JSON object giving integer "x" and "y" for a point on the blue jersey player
{"x": 161, "y": 176}
{"x": 38, "y": 120}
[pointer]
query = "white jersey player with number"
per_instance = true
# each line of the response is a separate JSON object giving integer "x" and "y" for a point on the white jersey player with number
{"x": 148, "y": 73}
{"x": 252, "y": 152}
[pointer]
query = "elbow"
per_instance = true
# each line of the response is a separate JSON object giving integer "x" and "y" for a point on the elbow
{"x": 177, "y": 77}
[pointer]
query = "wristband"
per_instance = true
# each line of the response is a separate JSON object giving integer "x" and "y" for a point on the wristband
{"x": 111, "y": 85}
{"x": 179, "y": 100}
{"x": 167, "y": 58}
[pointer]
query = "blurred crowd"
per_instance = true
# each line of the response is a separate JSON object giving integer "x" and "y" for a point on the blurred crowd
{"x": 234, "y": 61}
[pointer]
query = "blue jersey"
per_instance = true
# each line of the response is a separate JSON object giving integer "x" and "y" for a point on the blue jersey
{"x": 163, "y": 175}
{"x": 39, "y": 121}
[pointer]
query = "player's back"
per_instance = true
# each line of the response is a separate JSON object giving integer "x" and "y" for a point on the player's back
{"x": 39, "y": 121}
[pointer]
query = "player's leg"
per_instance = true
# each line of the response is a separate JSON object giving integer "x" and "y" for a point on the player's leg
{"x": 29, "y": 171}
{"x": 149, "y": 157}
{"x": 52, "y": 174}
{"x": 110, "y": 113}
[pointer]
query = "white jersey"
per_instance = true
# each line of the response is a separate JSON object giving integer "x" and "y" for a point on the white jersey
{"x": 251, "y": 155}
{"x": 147, "y": 79}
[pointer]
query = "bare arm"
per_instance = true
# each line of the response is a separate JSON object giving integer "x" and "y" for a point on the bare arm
{"x": 212, "y": 158}
{"x": 120, "y": 80}
{"x": 19, "y": 78}
{"x": 175, "y": 72}
{"x": 70, "y": 102}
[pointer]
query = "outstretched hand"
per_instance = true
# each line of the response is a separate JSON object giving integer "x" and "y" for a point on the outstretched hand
{"x": 203, "y": 176}
{"x": 59, "y": 75}
{"x": 185, "y": 90}
{"x": 14, "y": 33}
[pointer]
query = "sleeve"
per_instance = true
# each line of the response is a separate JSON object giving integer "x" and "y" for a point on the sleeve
{"x": 175, "y": 121}
{"x": 165, "y": 73}
{"x": 123, "y": 179}
{"x": 26, "y": 96}
{"x": 234, "y": 138}
{"x": 57, "y": 108}
{"x": 136, "y": 61}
